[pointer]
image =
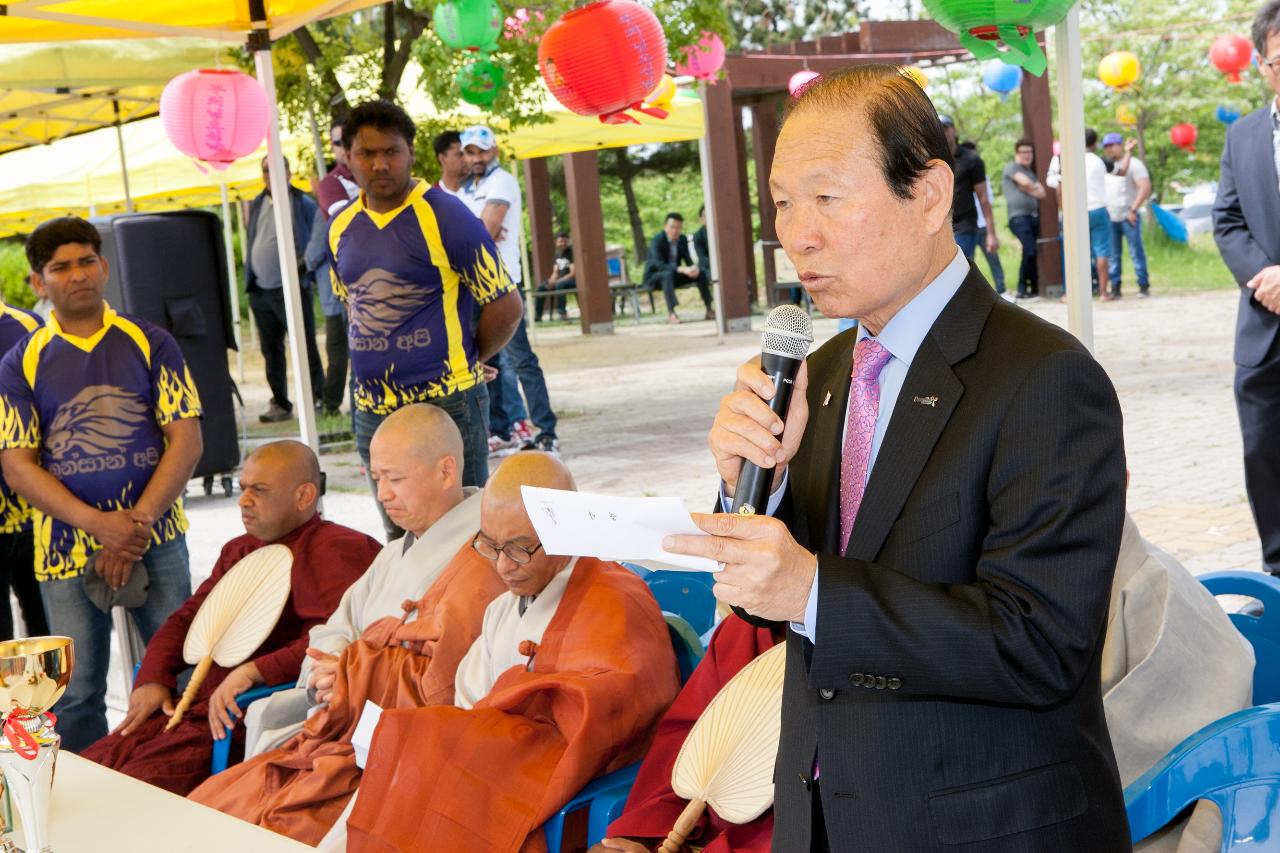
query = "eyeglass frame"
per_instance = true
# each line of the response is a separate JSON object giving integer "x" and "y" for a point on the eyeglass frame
{"x": 477, "y": 542}
{"x": 1269, "y": 64}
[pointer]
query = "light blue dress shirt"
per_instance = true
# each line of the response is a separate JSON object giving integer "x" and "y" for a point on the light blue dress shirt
{"x": 902, "y": 337}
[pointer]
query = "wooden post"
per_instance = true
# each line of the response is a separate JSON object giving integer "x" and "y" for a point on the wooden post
{"x": 1037, "y": 125}
{"x": 728, "y": 194}
{"x": 764, "y": 138}
{"x": 542, "y": 242}
{"x": 586, "y": 221}
{"x": 744, "y": 208}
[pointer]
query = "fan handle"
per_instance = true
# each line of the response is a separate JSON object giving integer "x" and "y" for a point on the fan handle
{"x": 189, "y": 695}
{"x": 684, "y": 825}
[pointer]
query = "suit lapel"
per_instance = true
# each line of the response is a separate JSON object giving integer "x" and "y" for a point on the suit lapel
{"x": 1265, "y": 152}
{"x": 827, "y": 421}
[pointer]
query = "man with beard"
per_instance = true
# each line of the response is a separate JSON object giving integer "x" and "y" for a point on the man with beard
{"x": 413, "y": 265}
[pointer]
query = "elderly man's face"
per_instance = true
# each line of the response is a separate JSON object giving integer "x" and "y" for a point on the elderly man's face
{"x": 856, "y": 246}
{"x": 505, "y": 527}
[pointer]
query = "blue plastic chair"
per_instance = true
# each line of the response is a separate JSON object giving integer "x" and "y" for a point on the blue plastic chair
{"x": 222, "y": 748}
{"x": 1263, "y": 632}
{"x": 687, "y": 644}
{"x": 1233, "y": 762}
{"x": 686, "y": 594}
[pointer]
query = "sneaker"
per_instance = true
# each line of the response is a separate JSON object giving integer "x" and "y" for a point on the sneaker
{"x": 1007, "y": 296}
{"x": 520, "y": 432}
{"x": 1027, "y": 298}
{"x": 710, "y": 315}
{"x": 547, "y": 444}
{"x": 275, "y": 414}
{"x": 1144, "y": 294}
{"x": 499, "y": 446}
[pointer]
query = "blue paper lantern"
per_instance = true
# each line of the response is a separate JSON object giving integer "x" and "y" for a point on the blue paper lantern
{"x": 1226, "y": 114}
{"x": 1001, "y": 78}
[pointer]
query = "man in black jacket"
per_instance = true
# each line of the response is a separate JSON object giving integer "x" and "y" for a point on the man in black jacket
{"x": 947, "y": 512}
{"x": 669, "y": 265}
{"x": 1244, "y": 225}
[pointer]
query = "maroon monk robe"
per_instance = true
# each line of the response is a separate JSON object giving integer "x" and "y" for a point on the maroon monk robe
{"x": 652, "y": 807}
{"x": 327, "y": 558}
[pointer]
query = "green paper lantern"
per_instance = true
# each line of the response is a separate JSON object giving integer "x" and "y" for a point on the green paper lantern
{"x": 469, "y": 24}
{"x": 480, "y": 82}
{"x": 987, "y": 26}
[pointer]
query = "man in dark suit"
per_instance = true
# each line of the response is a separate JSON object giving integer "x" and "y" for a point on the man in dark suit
{"x": 1245, "y": 219}
{"x": 669, "y": 265}
{"x": 945, "y": 523}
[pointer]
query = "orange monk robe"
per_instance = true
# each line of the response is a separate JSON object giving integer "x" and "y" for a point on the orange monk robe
{"x": 485, "y": 779}
{"x": 327, "y": 558}
{"x": 652, "y": 807}
{"x": 300, "y": 789}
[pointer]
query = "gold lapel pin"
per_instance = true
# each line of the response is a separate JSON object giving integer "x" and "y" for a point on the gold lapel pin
{"x": 931, "y": 401}
{"x": 826, "y": 399}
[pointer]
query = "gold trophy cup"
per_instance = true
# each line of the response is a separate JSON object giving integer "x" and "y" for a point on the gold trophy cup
{"x": 34, "y": 673}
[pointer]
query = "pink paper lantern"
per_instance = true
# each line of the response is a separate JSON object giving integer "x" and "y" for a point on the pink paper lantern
{"x": 216, "y": 117}
{"x": 704, "y": 59}
{"x": 796, "y": 85}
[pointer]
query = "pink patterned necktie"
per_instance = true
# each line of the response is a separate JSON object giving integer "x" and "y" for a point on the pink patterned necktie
{"x": 869, "y": 358}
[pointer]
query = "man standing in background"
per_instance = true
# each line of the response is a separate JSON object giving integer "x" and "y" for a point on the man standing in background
{"x": 453, "y": 166}
{"x": 1022, "y": 194}
{"x": 1127, "y": 192}
{"x": 970, "y": 186}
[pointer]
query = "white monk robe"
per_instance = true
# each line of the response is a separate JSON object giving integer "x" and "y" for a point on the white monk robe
{"x": 509, "y": 621}
{"x": 1172, "y": 663}
{"x": 402, "y": 571}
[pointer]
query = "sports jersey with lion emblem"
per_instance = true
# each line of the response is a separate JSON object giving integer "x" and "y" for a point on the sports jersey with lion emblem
{"x": 412, "y": 279}
{"x": 94, "y": 408}
{"x": 15, "y": 324}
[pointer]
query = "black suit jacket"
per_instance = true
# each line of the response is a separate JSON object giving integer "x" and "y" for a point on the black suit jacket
{"x": 953, "y": 698}
{"x": 659, "y": 257}
{"x": 1245, "y": 218}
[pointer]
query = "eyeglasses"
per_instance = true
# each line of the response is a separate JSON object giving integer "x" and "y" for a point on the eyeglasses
{"x": 1269, "y": 64}
{"x": 516, "y": 554}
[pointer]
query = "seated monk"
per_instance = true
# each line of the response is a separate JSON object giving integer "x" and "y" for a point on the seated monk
{"x": 570, "y": 674}
{"x": 1171, "y": 664}
{"x": 280, "y": 485}
{"x": 416, "y": 461}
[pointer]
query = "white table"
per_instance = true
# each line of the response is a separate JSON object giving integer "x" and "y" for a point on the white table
{"x": 96, "y": 810}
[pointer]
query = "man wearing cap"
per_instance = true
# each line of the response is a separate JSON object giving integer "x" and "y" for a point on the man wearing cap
{"x": 970, "y": 187}
{"x": 1127, "y": 191}
{"x": 493, "y": 194}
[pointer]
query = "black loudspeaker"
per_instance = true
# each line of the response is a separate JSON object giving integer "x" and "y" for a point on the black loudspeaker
{"x": 170, "y": 269}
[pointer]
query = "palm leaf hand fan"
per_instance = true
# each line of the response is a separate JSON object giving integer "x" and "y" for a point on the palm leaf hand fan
{"x": 727, "y": 760}
{"x": 236, "y": 617}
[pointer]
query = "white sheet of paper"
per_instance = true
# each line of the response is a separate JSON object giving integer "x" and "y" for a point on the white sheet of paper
{"x": 611, "y": 528}
{"x": 362, "y": 737}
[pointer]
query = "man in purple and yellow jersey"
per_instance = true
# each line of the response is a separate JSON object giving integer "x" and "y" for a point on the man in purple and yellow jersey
{"x": 17, "y": 548}
{"x": 427, "y": 294}
{"x": 100, "y": 432}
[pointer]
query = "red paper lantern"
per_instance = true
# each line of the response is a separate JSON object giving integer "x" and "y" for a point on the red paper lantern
{"x": 1184, "y": 136}
{"x": 1231, "y": 55}
{"x": 603, "y": 59}
{"x": 215, "y": 116}
{"x": 703, "y": 60}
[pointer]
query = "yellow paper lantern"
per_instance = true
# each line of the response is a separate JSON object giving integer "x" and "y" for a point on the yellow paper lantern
{"x": 661, "y": 96}
{"x": 1119, "y": 70}
{"x": 1125, "y": 116}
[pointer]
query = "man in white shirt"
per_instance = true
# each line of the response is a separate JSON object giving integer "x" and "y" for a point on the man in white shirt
{"x": 1127, "y": 191}
{"x": 493, "y": 194}
{"x": 453, "y": 166}
{"x": 1095, "y": 181}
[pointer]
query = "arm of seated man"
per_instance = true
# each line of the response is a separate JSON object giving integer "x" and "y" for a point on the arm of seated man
{"x": 223, "y": 710}
{"x": 144, "y": 701}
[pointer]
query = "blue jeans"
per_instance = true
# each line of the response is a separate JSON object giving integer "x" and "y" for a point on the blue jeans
{"x": 518, "y": 360}
{"x": 967, "y": 241}
{"x": 1027, "y": 228}
{"x": 1121, "y": 231}
{"x": 993, "y": 259}
{"x": 469, "y": 410}
{"x": 82, "y": 710}
{"x": 1099, "y": 234}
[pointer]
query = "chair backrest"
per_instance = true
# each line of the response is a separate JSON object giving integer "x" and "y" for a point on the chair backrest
{"x": 1262, "y": 632}
{"x": 687, "y": 594}
{"x": 687, "y": 645}
{"x": 1235, "y": 763}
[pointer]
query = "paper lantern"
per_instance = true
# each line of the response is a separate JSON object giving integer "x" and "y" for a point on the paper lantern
{"x": 215, "y": 116}
{"x": 1119, "y": 70}
{"x": 662, "y": 96}
{"x": 704, "y": 59}
{"x": 994, "y": 29}
{"x": 800, "y": 81}
{"x": 1225, "y": 114}
{"x": 1231, "y": 55}
{"x": 602, "y": 59}
{"x": 480, "y": 82}
{"x": 1184, "y": 136}
{"x": 469, "y": 24}
{"x": 1125, "y": 116}
{"x": 1001, "y": 78}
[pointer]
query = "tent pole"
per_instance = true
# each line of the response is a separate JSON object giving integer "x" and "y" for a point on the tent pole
{"x": 704, "y": 162}
{"x": 124, "y": 167}
{"x": 244, "y": 241}
{"x": 1075, "y": 214}
{"x": 233, "y": 279}
{"x": 303, "y": 403}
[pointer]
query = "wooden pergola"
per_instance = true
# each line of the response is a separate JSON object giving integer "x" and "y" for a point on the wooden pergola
{"x": 757, "y": 81}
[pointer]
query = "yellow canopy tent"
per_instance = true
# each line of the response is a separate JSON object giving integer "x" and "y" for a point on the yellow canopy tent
{"x": 568, "y": 132}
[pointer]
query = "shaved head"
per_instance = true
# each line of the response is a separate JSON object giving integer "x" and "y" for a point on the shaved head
{"x": 424, "y": 430}
{"x": 279, "y": 487}
{"x": 528, "y": 468}
{"x": 292, "y": 456}
{"x": 415, "y": 459}
{"x": 504, "y": 521}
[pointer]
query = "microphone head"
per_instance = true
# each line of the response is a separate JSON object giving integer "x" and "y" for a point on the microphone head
{"x": 788, "y": 331}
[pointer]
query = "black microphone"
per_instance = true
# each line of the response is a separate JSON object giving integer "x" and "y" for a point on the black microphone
{"x": 788, "y": 333}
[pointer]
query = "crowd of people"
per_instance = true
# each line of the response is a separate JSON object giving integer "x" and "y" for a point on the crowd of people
{"x": 1020, "y": 651}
